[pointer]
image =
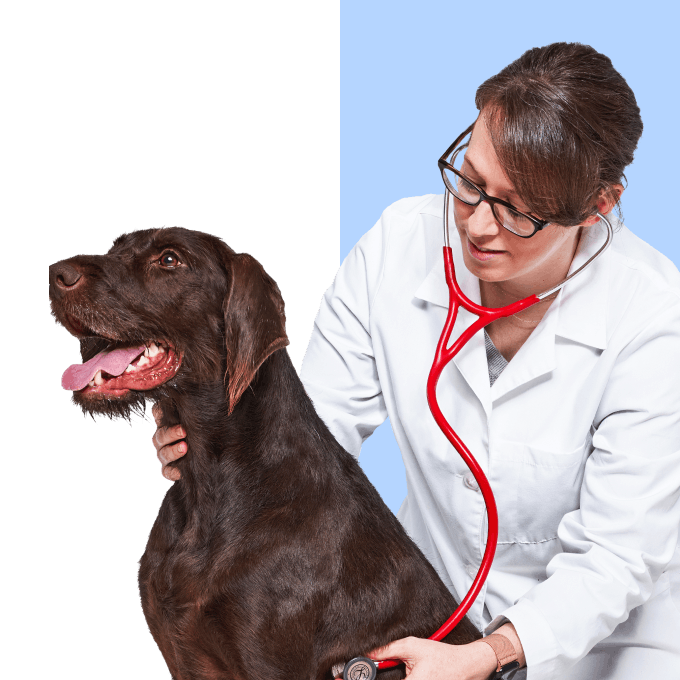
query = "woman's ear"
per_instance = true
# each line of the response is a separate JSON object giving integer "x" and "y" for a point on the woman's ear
{"x": 605, "y": 203}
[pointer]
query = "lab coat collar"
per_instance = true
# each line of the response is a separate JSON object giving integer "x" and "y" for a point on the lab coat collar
{"x": 434, "y": 289}
{"x": 582, "y": 302}
{"x": 578, "y": 313}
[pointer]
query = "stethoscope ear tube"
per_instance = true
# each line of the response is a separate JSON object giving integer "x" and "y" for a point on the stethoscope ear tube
{"x": 605, "y": 245}
{"x": 443, "y": 355}
{"x": 554, "y": 289}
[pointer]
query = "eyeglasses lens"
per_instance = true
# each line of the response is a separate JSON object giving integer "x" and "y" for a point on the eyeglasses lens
{"x": 512, "y": 220}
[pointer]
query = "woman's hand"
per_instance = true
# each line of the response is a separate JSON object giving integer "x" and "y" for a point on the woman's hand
{"x": 168, "y": 445}
{"x": 429, "y": 660}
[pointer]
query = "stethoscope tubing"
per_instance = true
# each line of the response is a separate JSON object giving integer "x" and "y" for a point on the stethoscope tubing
{"x": 443, "y": 356}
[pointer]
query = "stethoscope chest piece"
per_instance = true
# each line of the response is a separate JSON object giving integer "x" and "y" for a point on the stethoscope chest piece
{"x": 360, "y": 668}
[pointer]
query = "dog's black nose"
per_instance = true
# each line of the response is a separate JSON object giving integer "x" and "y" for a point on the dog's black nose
{"x": 64, "y": 276}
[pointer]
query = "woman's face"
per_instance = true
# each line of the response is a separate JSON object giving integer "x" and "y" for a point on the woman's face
{"x": 490, "y": 251}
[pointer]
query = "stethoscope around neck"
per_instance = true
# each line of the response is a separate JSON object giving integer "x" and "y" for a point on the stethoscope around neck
{"x": 443, "y": 355}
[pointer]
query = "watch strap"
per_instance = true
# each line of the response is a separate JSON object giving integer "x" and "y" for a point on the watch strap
{"x": 506, "y": 655}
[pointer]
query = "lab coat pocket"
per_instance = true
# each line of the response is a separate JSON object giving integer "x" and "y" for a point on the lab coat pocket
{"x": 534, "y": 489}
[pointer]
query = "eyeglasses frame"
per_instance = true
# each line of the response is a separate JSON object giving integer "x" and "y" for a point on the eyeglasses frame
{"x": 483, "y": 196}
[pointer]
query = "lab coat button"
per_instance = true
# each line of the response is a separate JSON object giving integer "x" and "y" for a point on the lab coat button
{"x": 472, "y": 571}
{"x": 470, "y": 481}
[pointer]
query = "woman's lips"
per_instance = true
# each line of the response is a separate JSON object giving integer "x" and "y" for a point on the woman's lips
{"x": 479, "y": 254}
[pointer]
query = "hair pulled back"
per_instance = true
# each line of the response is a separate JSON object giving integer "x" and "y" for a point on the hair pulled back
{"x": 564, "y": 124}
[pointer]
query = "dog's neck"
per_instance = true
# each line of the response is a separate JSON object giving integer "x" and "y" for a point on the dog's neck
{"x": 254, "y": 442}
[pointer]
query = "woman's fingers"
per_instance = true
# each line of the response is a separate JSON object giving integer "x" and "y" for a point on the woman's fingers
{"x": 170, "y": 473}
{"x": 157, "y": 413}
{"x": 430, "y": 660}
{"x": 407, "y": 650}
{"x": 395, "y": 649}
{"x": 170, "y": 452}
{"x": 166, "y": 441}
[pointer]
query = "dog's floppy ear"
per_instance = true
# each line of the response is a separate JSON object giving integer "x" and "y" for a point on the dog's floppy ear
{"x": 254, "y": 322}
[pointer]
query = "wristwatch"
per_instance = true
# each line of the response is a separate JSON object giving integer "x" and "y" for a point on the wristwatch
{"x": 505, "y": 654}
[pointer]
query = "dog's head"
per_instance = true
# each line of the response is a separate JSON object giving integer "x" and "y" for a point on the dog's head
{"x": 164, "y": 308}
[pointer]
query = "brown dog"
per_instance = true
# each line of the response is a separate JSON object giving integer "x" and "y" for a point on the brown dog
{"x": 273, "y": 556}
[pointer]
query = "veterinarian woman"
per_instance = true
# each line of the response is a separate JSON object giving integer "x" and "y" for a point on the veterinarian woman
{"x": 572, "y": 407}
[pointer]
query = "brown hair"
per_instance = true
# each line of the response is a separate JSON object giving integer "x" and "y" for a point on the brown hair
{"x": 564, "y": 124}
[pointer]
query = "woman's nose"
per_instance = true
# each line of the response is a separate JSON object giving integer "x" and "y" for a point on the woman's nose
{"x": 482, "y": 221}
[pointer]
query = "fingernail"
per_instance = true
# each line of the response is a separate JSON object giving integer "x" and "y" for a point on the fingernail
{"x": 182, "y": 448}
{"x": 181, "y": 432}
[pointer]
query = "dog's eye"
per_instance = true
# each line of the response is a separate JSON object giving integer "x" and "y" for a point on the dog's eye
{"x": 169, "y": 260}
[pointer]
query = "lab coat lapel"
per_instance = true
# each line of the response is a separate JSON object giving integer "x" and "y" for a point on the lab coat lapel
{"x": 535, "y": 358}
{"x": 471, "y": 360}
{"x": 578, "y": 314}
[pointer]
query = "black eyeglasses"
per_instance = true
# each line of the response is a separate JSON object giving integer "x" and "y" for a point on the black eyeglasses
{"x": 464, "y": 190}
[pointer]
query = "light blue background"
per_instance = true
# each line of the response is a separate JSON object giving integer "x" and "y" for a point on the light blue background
{"x": 409, "y": 72}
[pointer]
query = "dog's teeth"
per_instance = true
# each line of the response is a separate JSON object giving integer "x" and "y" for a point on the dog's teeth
{"x": 98, "y": 380}
{"x": 129, "y": 368}
{"x": 152, "y": 350}
{"x": 142, "y": 361}
{"x": 91, "y": 383}
{"x": 146, "y": 352}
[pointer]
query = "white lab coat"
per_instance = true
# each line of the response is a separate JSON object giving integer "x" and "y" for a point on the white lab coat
{"x": 579, "y": 437}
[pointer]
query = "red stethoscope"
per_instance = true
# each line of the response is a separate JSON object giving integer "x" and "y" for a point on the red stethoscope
{"x": 443, "y": 355}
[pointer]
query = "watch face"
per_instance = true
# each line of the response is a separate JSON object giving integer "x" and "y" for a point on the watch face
{"x": 499, "y": 675}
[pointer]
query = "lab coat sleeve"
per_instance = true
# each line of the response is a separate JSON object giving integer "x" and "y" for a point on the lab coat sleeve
{"x": 339, "y": 368}
{"x": 620, "y": 540}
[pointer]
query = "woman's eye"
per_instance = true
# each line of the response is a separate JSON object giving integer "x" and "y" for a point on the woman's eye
{"x": 169, "y": 260}
{"x": 467, "y": 189}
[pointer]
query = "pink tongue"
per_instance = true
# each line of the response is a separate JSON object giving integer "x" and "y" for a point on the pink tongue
{"x": 77, "y": 376}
